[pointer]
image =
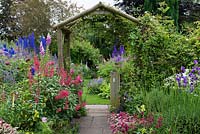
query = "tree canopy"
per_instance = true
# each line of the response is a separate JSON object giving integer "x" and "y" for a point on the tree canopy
{"x": 179, "y": 10}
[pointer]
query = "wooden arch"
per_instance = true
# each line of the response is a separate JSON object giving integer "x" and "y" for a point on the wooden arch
{"x": 63, "y": 31}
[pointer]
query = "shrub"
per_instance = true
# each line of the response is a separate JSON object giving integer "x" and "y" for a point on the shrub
{"x": 84, "y": 52}
{"x": 104, "y": 90}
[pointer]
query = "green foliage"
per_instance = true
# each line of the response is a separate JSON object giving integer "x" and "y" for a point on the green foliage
{"x": 84, "y": 52}
{"x": 6, "y": 18}
{"x": 103, "y": 31}
{"x": 104, "y": 69}
{"x": 177, "y": 107}
{"x": 104, "y": 90}
{"x": 158, "y": 50}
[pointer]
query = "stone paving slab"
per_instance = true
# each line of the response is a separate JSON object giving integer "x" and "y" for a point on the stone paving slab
{"x": 96, "y": 121}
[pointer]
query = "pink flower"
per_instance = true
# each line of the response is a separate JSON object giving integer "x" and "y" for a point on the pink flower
{"x": 159, "y": 122}
{"x": 48, "y": 39}
{"x": 80, "y": 93}
{"x": 42, "y": 52}
{"x": 7, "y": 63}
{"x": 71, "y": 71}
{"x": 78, "y": 79}
{"x": 78, "y": 107}
{"x": 66, "y": 105}
{"x": 58, "y": 110}
{"x": 83, "y": 104}
{"x": 44, "y": 119}
{"x": 36, "y": 63}
{"x": 62, "y": 94}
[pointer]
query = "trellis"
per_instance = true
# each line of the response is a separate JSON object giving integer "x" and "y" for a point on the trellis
{"x": 63, "y": 39}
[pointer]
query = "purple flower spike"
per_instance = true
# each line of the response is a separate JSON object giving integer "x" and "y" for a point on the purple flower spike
{"x": 42, "y": 52}
{"x": 195, "y": 62}
{"x": 48, "y": 39}
{"x": 183, "y": 69}
{"x": 115, "y": 53}
{"x": 122, "y": 50}
{"x": 185, "y": 81}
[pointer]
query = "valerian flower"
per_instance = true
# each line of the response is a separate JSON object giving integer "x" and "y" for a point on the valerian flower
{"x": 80, "y": 93}
{"x": 62, "y": 94}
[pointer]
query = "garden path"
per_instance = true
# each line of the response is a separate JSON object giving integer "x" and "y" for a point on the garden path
{"x": 96, "y": 121}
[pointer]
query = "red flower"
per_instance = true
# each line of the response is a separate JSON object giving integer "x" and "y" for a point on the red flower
{"x": 58, "y": 110}
{"x": 80, "y": 93}
{"x": 159, "y": 122}
{"x": 36, "y": 63}
{"x": 49, "y": 69}
{"x": 78, "y": 107}
{"x": 68, "y": 81}
{"x": 78, "y": 79}
{"x": 66, "y": 105}
{"x": 30, "y": 77}
{"x": 62, "y": 94}
{"x": 83, "y": 104}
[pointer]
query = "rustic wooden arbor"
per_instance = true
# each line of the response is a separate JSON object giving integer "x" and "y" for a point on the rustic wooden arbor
{"x": 63, "y": 37}
{"x": 63, "y": 30}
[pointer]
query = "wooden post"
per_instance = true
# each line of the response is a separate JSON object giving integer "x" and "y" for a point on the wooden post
{"x": 115, "y": 88}
{"x": 66, "y": 49}
{"x": 60, "y": 41}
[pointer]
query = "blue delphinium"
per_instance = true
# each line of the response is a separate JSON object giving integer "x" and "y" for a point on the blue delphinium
{"x": 11, "y": 52}
{"x": 31, "y": 38}
{"x": 32, "y": 70}
{"x": 117, "y": 56}
{"x": 43, "y": 40}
